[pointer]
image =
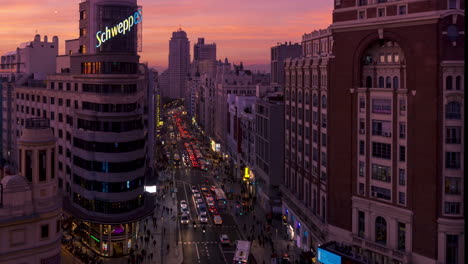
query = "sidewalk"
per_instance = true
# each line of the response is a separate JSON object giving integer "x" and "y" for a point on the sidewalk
{"x": 160, "y": 238}
{"x": 266, "y": 239}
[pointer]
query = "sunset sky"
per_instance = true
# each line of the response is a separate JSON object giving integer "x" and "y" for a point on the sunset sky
{"x": 244, "y": 30}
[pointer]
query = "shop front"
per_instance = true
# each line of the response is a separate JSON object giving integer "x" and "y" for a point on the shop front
{"x": 114, "y": 240}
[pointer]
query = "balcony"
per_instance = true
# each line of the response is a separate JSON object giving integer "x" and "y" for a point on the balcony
{"x": 378, "y": 248}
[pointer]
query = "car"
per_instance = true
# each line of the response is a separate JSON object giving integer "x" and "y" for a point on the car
{"x": 183, "y": 204}
{"x": 200, "y": 202}
{"x": 210, "y": 201}
{"x": 224, "y": 239}
{"x": 202, "y": 210}
{"x": 184, "y": 219}
{"x": 217, "y": 220}
{"x": 185, "y": 210}
{"x": 194, "y": 188}
{"x": 213, "y": 210}
{"x": 196, "y": 194}
{"x": 203, "y": 219}
{"x": 213, "y": 188}
{"x": 207, "y": 195}
{"x": 204, "y": 189}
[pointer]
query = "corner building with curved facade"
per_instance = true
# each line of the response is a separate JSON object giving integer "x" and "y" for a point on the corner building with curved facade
{"x": 374, "y": 134}
{"x": 96, "y": 103}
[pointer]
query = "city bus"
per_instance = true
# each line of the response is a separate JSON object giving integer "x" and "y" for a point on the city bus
{"x": 220, "y": 197}
{"x": 241, "y": 256}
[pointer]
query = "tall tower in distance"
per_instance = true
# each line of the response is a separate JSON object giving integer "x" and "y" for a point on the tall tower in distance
{"x": 30, "y": 212}
{"x": 179, "y": 63}
{"x": 202, "y": 51}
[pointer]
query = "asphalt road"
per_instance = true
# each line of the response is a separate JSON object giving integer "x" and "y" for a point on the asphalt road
{"x": 199, "y": 247}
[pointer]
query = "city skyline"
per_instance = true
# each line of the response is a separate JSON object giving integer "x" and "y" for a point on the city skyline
{"x": 241, "y": 31}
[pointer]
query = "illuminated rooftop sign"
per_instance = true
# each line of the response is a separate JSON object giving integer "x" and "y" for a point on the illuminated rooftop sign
{"x": 120, "y": 28}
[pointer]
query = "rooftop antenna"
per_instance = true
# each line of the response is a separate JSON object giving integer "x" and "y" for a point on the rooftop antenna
{"x": 180, "y": 27}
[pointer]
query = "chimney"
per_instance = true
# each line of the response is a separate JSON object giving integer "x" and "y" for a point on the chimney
{"x": 45, "y": 39}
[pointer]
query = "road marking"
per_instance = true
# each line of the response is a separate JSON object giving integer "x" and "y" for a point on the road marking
{"x": 198, "y": 254}
{"x": 222, "y": 253}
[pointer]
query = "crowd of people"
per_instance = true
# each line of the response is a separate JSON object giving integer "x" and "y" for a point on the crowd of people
{"x": 81, "y": 254}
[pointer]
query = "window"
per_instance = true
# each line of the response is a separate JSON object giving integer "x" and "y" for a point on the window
{"x": 401, "y": 177}
{"x": 52, "y": 115}
{"x": 315, "y": 136}
{"x": 324, "y": 102}
{"x": 381, "y": 128}
{"x": 362, "y": 2}
{"x": 380, "y": 230}
{"x": 362, "y": 126}
{"x": 381, "y": 150}
{"x": 402, "y": 10}
{"x": 52, "y": 100}
{"x": 381, "y": 82}
{"x": 76, "y": 87}
{"x": 324, "y": 120}
{"x": 381, "y": 193}
{"x": 451, "y": 249}
{"x": 314, "y": 100}
{"x": 362, "y": 104}
{"x": 361, "y": 223}
{"x": 68, "y": 102}
{"x": 401, "y": 237}
{"x": 458, "y": 83}
{"x": 60, "y": 86}
{"x": 362, "y": 168}
{"x": 452, "y": 185}
{"x": 368, "y": 82}
{"x": 60, "y": 101}
{"x": 452, "y": 4}
{"x": 396, "y": 57}
{"x": 324, "y": 139}
{"x": 452, "y": 160}
{"x": 453, "y": 110}
{"x": 362, "y": 147}
{"x": 452, "y": 208}
{"x": 402, "y": 130}
{"x": 448, "y": 83}
{"x": 381, "y": 173}
{"x": 42, "y": 165}
{"x": 402, "y": 153}
{"x": 44, "y": 231}
{"x": 361, "y": 188}
{"x": 324, "y": 159}
{"x": 60, "y": 117}
{"x": 402, "y": 106}
{"x": 381, "y": 12}
{"x": 362, "y": 14}
{"x": 306, "y": 98}
{"x": 382, "y": 106}
{"x": 401, "y": 197}
{"x": 395, "y": 82}
{"x": 389, "y": 60}
{"x": 453, "y": 135}
{"x": 68, "y": 86}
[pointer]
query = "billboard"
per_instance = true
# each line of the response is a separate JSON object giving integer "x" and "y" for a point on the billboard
{"x": 326, "y": 257}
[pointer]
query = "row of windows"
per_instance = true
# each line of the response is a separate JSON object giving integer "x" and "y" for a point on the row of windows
{"x": 109, "y": 108}
{"x": 108, "y": 207}
{"x": 449, "y": 83}
{"x": 381, "y": 230}
{"x": 110, "y": 88}
{"x": 108, "y": 167}
{"x": 106, "y": 147}
{"x": 107, "y": 126}
{"x": 307, "y": 99}
{"x": 109, "y": 68}
{"x": 108, "y": 187}
{"x": 384, "y": 82}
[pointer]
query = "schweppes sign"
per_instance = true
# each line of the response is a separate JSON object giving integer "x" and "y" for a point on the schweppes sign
{"x": 120, "y": 28}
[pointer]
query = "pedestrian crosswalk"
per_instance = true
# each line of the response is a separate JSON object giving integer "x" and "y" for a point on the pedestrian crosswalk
{"x": 199, "y": 242}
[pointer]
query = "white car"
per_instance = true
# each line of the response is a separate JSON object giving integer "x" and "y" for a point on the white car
{"x": 183, "y": 204}
{"x": 196, "y": 194}
{"x": 184, "y": 219}
{"x": 202, "y": 210}
{"x": 210, "y": 201}
{"x": 199, "y": 202}
{"x": 203, "y": 219}
{"x": 224, "y": 239}
{"x": 185, "y": 210}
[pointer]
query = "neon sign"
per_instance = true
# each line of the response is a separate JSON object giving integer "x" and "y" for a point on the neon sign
{"x": 120, "y": 28}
